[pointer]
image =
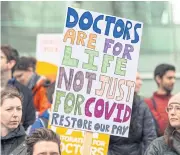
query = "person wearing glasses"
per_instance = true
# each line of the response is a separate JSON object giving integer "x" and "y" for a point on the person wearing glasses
{"x": 169, "y": 143}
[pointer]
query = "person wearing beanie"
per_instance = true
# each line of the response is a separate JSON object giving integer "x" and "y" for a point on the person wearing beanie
{"x": 169, "y": 143}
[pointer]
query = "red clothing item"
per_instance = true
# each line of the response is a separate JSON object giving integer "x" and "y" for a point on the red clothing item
{"x": 159, "y": 110}
{"x": 41, "y": 101}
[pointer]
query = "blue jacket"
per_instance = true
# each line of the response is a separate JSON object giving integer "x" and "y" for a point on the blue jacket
{"x": 41, "y": 122}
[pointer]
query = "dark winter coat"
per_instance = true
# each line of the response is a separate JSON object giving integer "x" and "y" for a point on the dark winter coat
{"x": 159, "y": 147}
{"x": 14, "y": 142}
{"x": 141, "y": 133}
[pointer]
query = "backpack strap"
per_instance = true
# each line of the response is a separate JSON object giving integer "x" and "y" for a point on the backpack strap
{"x": 155, "y": 121}
{"x": 154, "y": 103}
{"x": 44, "y": 122}
{"x": 21, "y": 146}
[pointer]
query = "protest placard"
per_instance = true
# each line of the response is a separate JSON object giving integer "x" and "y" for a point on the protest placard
{"x": 96, "y": 77}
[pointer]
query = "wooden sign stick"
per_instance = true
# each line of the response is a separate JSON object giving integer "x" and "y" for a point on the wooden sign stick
{"x": 87, "y": 143}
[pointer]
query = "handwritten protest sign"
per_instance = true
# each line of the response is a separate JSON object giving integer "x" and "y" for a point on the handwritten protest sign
{"x": 96, "y": 79}
{"x": 71, "y": 140}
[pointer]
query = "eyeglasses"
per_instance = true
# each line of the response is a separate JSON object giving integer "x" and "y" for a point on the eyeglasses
{"x": 176, "y": 109}
{"x": 2, "y": 57}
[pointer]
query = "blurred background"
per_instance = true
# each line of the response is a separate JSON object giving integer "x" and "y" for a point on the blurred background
{"x": 21, "y": 21}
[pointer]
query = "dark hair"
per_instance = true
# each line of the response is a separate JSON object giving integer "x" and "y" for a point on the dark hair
{"x": 25, "y": 62}
{"x": 50, "y": 91}
{"x": 10, "y": 92}
{"x": 161, "y": 70}
{"x": 41, "y": 134}
{"x": 168, "y": 136}
{"x": 10, "y": 53}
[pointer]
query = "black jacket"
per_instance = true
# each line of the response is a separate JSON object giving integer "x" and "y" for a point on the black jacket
{"x": 29, "y": 114}
{"x": 14, "y": 142}
{"x": 141, "y": 133}
{"x": 159, "y": 147}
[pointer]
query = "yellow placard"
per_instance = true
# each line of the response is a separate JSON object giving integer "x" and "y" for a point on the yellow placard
{"x": 72, "y": 141}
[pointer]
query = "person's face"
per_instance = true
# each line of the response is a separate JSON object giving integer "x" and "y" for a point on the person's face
{"x": 167, "y": 81}
{"x": 22, "y": 76}
{"x": 4, "y": 62}
{"x": 11, "y": 112}
{"x": 46, "y": 148}
{"x": 174, "y": 115}
{"x": 138, "y": 82}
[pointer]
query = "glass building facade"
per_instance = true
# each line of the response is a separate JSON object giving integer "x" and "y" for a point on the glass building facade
{"x": 21, "y": 21}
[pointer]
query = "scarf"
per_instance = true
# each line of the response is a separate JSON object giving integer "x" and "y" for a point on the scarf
{"x": 33, "y": 81}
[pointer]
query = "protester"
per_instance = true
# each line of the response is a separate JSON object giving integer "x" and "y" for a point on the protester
{"x": 9, "y": 58}
{"x": 43, "y": 141}
{"x": 169, "y": 144}
{"x": 142, "y": 129}
{"x": 164, "y": 76}
{"x": 12, "y": 132}
{"x": 25, "y": 73}
{"x": 42, "y": 120}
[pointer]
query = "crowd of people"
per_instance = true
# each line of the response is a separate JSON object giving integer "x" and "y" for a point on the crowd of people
{"x": 26, "y": 99}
